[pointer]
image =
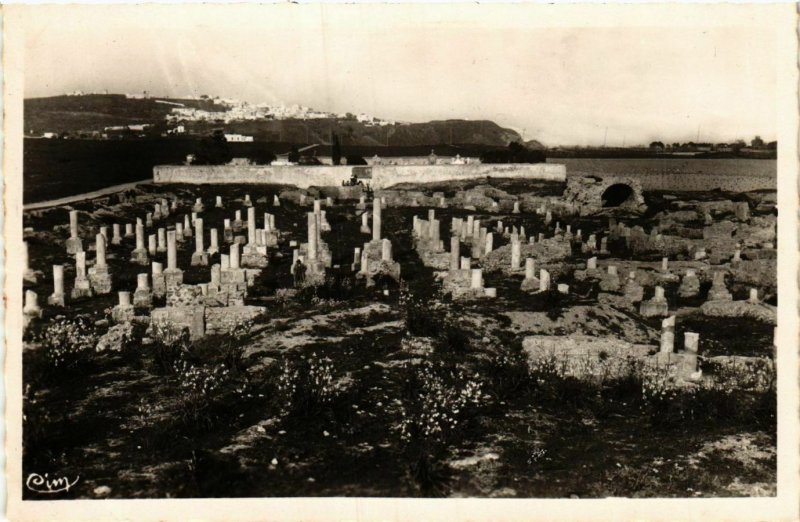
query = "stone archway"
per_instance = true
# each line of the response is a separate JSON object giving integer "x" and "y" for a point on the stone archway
{"x": 617, "y": 195}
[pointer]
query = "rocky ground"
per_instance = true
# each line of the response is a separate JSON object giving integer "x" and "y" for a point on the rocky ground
{"x": 397, "y": 389}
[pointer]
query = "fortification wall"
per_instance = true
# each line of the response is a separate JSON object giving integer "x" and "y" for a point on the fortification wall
{"x": 383, "y": 176}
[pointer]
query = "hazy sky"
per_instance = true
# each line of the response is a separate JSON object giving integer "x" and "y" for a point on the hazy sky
{"x": 560, "y": 85}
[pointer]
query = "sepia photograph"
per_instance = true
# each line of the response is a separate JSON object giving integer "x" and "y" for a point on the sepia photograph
{"x": 414, "y": 254}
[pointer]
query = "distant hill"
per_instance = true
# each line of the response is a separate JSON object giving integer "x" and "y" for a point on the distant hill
{"x": 88, "y": 113}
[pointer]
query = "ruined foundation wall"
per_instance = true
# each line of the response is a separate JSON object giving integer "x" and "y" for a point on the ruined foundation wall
{"x": 323, "y": 175}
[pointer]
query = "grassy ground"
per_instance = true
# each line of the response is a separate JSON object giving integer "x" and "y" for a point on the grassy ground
{"x": 348, "y": 391}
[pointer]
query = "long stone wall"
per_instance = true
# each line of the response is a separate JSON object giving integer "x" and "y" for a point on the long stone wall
{"x": 383, "y": 176}
{"x": 698, "y": 182}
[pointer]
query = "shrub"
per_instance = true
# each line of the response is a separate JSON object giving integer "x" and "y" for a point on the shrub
{"x": 437, "y": 399}
{"x": 234, "y": 345}
{"x": 508, "y": 373}
{"x": 305, "y": 386}
{"x": 67, "y": 343}
{"x": 171, "y": 345}
{"x": 205, "y": 394}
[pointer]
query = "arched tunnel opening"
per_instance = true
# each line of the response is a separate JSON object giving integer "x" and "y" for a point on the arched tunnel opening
{"x": 616, "y": 195}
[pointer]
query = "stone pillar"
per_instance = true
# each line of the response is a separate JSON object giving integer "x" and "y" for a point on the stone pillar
{"x": 149, "y": 219}
{"x": 152, "y": 244}
{"x": 476, "y": 282}
{"x": 161, "y": 245}
{"x": 200, "y": 256}
{"x": 489, "y": 243}
{"x": 364, "y": 260}
{"x": 668, "y": 335}
{"x": 466, "y": 263}
{"x": 516, "y": 208}
{"x": 172, "y": 251}
{"x": 563, "y": 288}
{"x": 591, "y": 263}
{"x": 365, "y": 223}
{"x": 116, "y": 238}
{"x": 142, "y": 298}
{"x": 753, "y": 296}
{"x": 234, "y": 256}
{"x": 251, "y": 226}
{"x": 123, "y": 312}
{"x": 548, "y": 217}
{"x": 128, "y": 229}
{"x": 544, "y": 280}
{"x": 376, "y": 219}
{"x": 317, "y": 206}
{"x": 159, "y": 282}
{"x": 104, "y": 232}
{"x": 276, "y": 201}
{"x": 214, "y": 247}
{"x": 604, "y": 245}
{"x": 455, "y": 251}
{"x": 187, "y": 226}
{"x": 57, "y": 299}
{"x": 691, "y": 342}
{"x": 530, "y": 268}
{"x": 386, "y": 251}
{"x": 328, "y": 201}
{"x": 356, "y": 256}
{"x": 139, "y": 255}
{"x": 31, "y": 306}
{"x": 515, "y": 255}
{"x": 219, "y": 202}
{"x": 664, "y": 264}
{"x": 74, "y": 243}
{"x": 82, "y": 286}
{"x": 27, "y": 274}
{"x": 198, "y": 206}
{"x": 312, "y": 236}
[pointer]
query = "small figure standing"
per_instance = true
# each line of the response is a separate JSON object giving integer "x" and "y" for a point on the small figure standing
{"x": 299, "y": 272}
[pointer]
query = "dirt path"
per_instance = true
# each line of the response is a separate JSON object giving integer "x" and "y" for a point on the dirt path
{"x": 81, "y": 197}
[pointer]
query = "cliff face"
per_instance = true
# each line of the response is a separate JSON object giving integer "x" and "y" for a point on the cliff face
{"x": 92, "y": 113}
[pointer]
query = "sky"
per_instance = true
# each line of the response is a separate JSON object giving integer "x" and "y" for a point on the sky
{"x": 554, "y": 77}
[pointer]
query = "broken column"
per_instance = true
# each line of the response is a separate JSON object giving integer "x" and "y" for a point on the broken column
{"x": 27, "y": 274}
{"x": 30, "y": 308}
{"x": 515, "y": 255}
{"x": 142, "y": 297}
{"x": 718, "y": 290}
{"x": 173, "y": 276}
{"x": 82, "y": 287}
{"x": 57, "y": 298}
{"x": 530, "y": 283}
{"x": 139, "y": 254}
{"x": 200, "y": 256}
{"x": 74, "y": 243}
{"x": 123, "y": 312}
{"x": 376, "y": 219}
{"x": 455, "y": 252}
{"x": 544, "y": 280}
{"x": 667, "y": 335}
{"x": 690, "y": 284}
{"x": 159, "y": 282}
{"x": 214, "y": 247}
{"x": 655, "y": 307}
{"x": 161, "y": 245}
{"x": 99, "y": 274}
{"x": 152, "y": 246}
{"x": 187, "y": 226}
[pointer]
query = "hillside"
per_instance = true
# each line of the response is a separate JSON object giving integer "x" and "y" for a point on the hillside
{"x": 88, "y": 113}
